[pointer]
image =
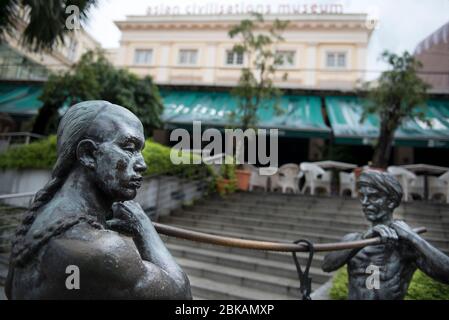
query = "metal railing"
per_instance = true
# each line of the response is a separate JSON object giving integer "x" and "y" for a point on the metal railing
{"x": 16, "y": 138}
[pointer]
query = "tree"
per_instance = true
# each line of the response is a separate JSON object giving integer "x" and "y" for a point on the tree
{"x": 256, "y": 88}
{"x": 395, "y": 98}
{"x": 45, "y": 20}
{"x": 95, "y": 78}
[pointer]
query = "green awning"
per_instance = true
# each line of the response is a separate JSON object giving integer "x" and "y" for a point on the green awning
{"x": 20, "y": 99}
{"x": 345, "y": 114}
{"x": 301, "y": 116}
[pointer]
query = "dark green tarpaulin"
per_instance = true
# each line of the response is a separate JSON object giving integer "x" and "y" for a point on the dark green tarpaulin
{"x": 345, "y": 114}
{"x": 20, "y": 99}
{"x": 300, "y": 116}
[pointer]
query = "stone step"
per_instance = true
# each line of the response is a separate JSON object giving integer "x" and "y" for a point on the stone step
{"x": 298, "y": 223}
{"x": 288, "y": 198}
{"x": 436, "y": 222}
{"x": 270, "y": 217}
{"x": 265, "y": 266}
{"x": 243, "y": 278}
{"x": 283, "y": 257}
{"x": 324, "y": 208}
{"x": 259, "y": 233}
{"x": 279, "y": 227}
{"x": 427, "y": 208}
{"x": 249, "y": 230}
{"x": 217, "y": 290}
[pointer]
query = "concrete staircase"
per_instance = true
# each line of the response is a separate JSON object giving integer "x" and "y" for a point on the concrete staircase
{"x": 217, "y": 272}
{"x": 228, "y": 273}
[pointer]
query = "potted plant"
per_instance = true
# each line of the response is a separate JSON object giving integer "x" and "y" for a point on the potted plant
{"x": 243, "y": 177}
{"x": 227, "y": 180}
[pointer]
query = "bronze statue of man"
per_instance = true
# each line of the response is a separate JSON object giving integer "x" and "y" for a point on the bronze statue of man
{"x": 395, "y": 260}
{"x": 84, "y": 219}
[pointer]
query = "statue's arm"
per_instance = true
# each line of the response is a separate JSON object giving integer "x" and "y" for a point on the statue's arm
{"x": 429, "y": 259}
{"x": 129, "y": 218}
{"x": 337, "y": 259}
{"x": 111, "y": 267}
{"x": 153, "y": 250}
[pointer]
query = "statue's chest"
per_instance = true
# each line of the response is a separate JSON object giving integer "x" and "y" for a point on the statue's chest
{"x": 384, "y": 257}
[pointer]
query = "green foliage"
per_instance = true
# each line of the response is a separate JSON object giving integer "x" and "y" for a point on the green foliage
{"x": 422, "y": 287}
{"x": 256, "y": 88}
{"x": 95, "y": 78}
{"x": 46, "y": 25}
{"x": 157, "y": 158}
{"x": 37, "y": 155}
{"x": 395, "y": 98}
{"x": 339, "y": 290}
{"x": 42, "y": 155}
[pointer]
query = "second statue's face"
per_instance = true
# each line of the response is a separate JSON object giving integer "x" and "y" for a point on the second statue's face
{"x": 119, "y": 161}
{"x": 375, "y": 203}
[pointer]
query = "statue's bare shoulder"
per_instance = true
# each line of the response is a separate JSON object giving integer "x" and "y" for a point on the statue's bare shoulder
{"x": 109, "y": 264}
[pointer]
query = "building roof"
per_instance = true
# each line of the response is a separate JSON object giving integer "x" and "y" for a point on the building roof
{"x": 440, "y": 36}
{"x": 341, "y": 20}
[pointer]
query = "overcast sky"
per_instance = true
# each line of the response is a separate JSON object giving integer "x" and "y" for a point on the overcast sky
{"x": 402, "y": 23}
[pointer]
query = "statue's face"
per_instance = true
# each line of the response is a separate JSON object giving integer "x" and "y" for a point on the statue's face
{"x": 119, "y": 161}
{"x": 375, "y": 203}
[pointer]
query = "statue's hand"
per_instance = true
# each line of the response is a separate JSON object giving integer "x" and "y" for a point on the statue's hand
{"x": 403, "y": 230}
{"x": 128, "y": 218}
{"x": 386, "y": 233}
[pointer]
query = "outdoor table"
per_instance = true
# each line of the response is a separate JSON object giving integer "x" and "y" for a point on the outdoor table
{"x": 426, "y": 170}
{"x": 335, "y": 166}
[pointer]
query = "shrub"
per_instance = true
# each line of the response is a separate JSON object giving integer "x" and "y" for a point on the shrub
{"x": 422, "y": 287}
{"x": 37, "y": 155}
{"x": 339, "y": 290}
{"x": 42, "y": 155}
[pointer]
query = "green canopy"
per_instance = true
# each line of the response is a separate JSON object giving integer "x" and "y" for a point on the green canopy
{"x": 300, "y": 116}
{"x": 20, "y": 99}
{"x": 345, "y": 114}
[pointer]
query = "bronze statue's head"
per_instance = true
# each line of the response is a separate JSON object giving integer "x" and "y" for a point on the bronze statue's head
{"x": 105, "y": 141}
{"x": 380, "y": 193}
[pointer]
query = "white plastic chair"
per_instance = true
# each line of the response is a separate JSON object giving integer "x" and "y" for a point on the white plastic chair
{"x": 405, "y": 178}
{"x": 445, "y": 179}
{"x": 286, "y": 178}
{"x": 416, "y": 187}
{"x": 316, "y": 178}
{"x": 256, "y": 180}
{"x": 438, "y": 187}
{"x": 347, "y": 183}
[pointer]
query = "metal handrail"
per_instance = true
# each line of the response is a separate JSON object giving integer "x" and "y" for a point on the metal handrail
{"x": 22, "y": 134}
{"x": 17, "y": 195}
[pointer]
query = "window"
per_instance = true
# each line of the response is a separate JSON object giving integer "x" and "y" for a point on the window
{"x": 336, "y": 60}
{"x": 234, "y": 58}
{"x": 188, "y": 57}
{"x": 143, "y": 56}
{"x": 287, "y": 58}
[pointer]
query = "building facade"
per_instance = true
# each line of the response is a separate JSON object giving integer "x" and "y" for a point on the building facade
{"x": 20, "y": 63}
{"x": 23, "y": 73}
{"x": 322, "y": 50}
